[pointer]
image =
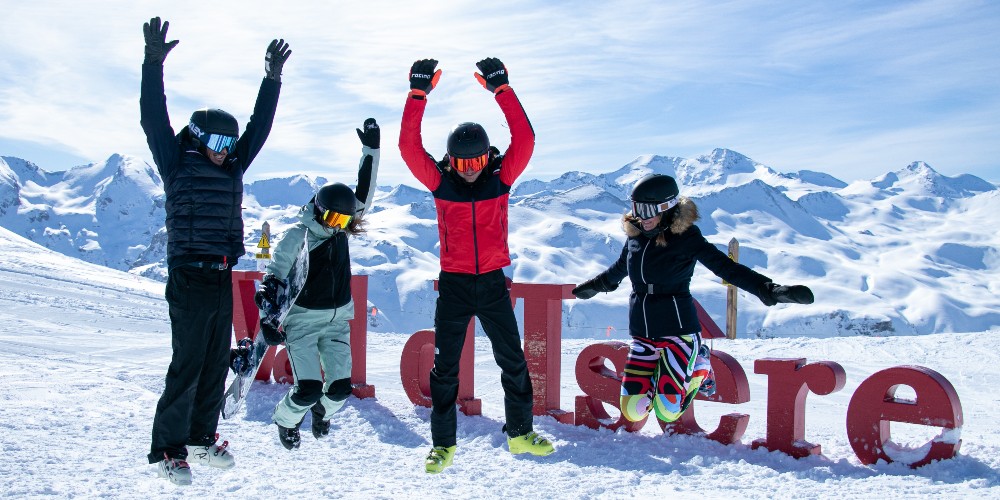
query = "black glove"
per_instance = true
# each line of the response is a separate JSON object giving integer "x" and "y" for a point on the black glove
{"x": 157, "y": 46}
{"x": 772, "y": 293}
{"x": 274, "y": 60}
{"x": 589, "y": 288}
{"x": 370, "y": 136}
{"x": 494, "y": 74}
{"x": 423, "y": 77}
{"x": 271, "y": 334}
{"x": 269, "y": 297}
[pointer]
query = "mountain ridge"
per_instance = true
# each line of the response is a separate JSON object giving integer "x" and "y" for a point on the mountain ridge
{"x": 874, "y": 251}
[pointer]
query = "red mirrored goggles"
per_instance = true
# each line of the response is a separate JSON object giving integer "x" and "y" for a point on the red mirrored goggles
{"x": 335, "y": 219}
{"x": 469, "y": 164}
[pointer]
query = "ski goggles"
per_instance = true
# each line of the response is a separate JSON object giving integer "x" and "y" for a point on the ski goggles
{"x": 650, "y": 210}
{"x": 218, "y": 142}
{"x": 335, "y": 219}
{"x": 469, "y": 164}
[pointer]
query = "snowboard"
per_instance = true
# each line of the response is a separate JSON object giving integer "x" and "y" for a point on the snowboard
{"x": 236, "y": 393}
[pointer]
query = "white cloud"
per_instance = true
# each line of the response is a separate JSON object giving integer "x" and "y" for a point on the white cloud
{"x": 602, "y": 82}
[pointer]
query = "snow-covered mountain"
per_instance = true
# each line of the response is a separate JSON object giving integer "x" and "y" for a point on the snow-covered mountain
{"x": 107, "y": 213}
{"x": 909, "y": 252}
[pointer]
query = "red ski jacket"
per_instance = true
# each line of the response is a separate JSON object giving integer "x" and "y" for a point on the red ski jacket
{"x": 472, "y": 218}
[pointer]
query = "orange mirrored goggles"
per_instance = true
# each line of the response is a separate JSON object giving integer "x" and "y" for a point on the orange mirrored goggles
{"x": 335, "y": 219}
{"x": 470, "y": 164}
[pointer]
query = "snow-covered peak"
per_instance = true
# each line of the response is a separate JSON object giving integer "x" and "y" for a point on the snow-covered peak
{"x": 86, "y": 177}
{"x": 918, "y": 178}
{"x": 293, "y": 191}
{"x": 718, "y": 167}
{"x": 24, "y": 170}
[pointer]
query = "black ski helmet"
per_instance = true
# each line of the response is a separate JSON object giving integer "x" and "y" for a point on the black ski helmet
{"x": 468, "y": 140}
{"x": 653, "y": 194}
{"x": 335, "y": 197}
{"x": 205, "y": 122}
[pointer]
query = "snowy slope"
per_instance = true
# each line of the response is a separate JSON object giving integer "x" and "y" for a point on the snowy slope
{"x": 86, "y": 349}
{"x": 908, "y": 252}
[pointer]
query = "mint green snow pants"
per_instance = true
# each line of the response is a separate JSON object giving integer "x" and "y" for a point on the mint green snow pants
{"x": 319, "y": 349}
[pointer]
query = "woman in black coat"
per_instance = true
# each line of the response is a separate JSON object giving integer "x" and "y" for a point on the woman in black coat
{"x": 667, "y": 362}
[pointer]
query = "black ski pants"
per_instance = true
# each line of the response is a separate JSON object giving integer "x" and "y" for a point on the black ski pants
{"x": 201, "y": 324}
{"x": 485, "y": 296}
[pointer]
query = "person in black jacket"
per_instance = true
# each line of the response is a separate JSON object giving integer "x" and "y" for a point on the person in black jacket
{"x": 667, "y": 362}
{"x": 316, "y": 329}
{"x": 202, "y": 170}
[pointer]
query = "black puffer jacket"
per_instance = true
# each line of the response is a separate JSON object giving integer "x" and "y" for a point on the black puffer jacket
{"x": 660, "y": 270}
{"x": 203, "y": 201}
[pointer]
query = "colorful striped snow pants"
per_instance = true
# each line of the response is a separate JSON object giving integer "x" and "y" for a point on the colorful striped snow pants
{"x": 661, "y": 375}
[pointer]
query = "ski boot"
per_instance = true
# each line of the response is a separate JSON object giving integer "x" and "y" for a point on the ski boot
{"x": 704, "y": 362}
{"x": 439, "y": 458}
{"x": 175, "y": 470}
{"x": 212, "y": 454}
{"x": 289, "y": 436}
{"x": 320, "y": 427}
{"x": 530, "y": 443}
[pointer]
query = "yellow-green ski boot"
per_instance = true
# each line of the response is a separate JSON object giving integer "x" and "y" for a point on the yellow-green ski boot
{"x": 439, "y": 458}
{"x": 530, "y": 443}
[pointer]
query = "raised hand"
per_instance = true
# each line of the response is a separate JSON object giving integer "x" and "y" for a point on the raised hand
{"x": 493, "y": 76}
{"x": 274, "y": 60}
{"x": 370, "y": 134}
{"x": 423, "y": 77}
{"x": 157, "y": 46}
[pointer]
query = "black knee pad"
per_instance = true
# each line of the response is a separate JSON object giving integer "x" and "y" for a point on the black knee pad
{"x": 307, "y": 392}
{"x": 339, "y": 389}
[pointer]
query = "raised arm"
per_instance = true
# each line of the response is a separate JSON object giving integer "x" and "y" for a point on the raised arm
{"x": 153, "y": 115}
{"x": 494, "y": 78}
{"x": 423, "y": 78}
{"x": 259, "y": 127}
{"x": 368, "y": 168}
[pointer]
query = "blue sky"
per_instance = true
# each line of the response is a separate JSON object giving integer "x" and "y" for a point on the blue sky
{"x": 851, "y": 88}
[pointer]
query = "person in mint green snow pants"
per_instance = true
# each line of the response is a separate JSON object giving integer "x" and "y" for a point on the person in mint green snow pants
{"x": 316, "y": 330}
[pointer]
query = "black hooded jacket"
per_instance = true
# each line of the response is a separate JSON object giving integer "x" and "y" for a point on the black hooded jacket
{"x": 661, "y": 268}
{"x": 203, "y": 201}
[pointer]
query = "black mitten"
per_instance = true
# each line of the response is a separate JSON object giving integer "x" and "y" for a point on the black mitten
{"x": 773, "y": 293}
{"x": 370, "y": 136}
{"x": 589, "y": 288}
{"x": 271, "y": 334}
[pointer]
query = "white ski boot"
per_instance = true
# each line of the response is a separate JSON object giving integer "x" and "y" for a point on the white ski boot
{"x": 212, "y": 455}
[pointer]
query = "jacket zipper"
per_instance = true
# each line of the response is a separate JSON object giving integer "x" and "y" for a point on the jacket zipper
{"x": 642, "y": 276}
{"x": 678, "y": 311}
{"x": 475, "y": 239}
{"x": 444, "y": 220}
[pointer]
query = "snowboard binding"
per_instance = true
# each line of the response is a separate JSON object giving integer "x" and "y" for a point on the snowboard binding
{"x": 239, "y": 358}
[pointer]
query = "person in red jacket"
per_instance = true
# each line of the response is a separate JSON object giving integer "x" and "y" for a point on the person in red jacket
{"x": 471, "y": 186}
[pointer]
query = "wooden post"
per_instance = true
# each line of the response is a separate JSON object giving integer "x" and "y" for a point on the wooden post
{"x": 734, "y": 253}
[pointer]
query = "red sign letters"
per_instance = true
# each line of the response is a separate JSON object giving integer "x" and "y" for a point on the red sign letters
{"x": 872, "y": 408}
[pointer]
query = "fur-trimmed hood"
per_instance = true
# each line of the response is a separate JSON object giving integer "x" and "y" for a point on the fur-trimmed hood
{"x": 684, "y": 216}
